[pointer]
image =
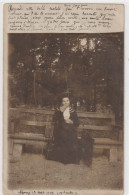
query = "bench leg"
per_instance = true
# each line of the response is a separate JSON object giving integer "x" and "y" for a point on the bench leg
{"x": 113, "y": 155}
{"x": 17, "y": 149}
{"x": 10, "y": 146}
{"x": 120, "y": 154}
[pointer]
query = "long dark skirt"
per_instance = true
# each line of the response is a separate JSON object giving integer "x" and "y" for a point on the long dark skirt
{"x": 65, "y": 147}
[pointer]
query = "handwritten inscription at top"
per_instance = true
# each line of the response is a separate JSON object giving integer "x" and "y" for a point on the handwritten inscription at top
{"x": 64, "y": 18}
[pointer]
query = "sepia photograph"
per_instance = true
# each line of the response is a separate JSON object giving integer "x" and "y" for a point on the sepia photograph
{"x": 65, "y": 111}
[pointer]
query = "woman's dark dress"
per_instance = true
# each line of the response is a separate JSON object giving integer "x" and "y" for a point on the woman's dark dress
{"x": 65, "y": 148}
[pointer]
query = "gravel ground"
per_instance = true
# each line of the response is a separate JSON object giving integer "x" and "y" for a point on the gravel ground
{"x": 32, "y": 171}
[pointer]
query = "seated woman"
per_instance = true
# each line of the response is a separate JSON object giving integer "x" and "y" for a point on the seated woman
{"x": 66, "y": 147}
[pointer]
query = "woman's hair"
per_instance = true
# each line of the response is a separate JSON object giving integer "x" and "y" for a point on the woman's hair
{"x": 65, "y": 97}
{"x": 58, "y": 100}
{"x": 61, "y": 99}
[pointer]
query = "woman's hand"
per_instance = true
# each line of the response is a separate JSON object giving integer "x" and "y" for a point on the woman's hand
{"x": 62, "y": 108}
{"x": 69, "y": 121}
{"x": 71, "y": 110}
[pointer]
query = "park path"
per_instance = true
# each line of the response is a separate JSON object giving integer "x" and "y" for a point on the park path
{"x": 33, "y": 171}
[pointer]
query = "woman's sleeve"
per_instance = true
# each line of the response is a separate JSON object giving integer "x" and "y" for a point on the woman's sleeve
{"x": 75, "y": 119}
{"x": 57, "y": 115}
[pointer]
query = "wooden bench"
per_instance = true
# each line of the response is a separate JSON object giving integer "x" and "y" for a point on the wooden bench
{"x": 18, "y": 139}
{"x": 115, "y": 146}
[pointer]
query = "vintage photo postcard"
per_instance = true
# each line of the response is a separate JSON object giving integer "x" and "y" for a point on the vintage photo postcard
{"x": 63, "y": 99}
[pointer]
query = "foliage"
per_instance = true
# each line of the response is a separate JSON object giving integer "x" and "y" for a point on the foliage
{"x": 42, "y": 66}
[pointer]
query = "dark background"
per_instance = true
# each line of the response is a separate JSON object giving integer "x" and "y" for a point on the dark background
{"x": 89, "y": 67}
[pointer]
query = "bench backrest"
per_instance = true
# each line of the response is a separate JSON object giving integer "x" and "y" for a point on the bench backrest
{"x": 43, "y": 118}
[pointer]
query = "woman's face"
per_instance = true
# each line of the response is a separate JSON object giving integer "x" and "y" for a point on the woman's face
{"x": 65, "y": 101}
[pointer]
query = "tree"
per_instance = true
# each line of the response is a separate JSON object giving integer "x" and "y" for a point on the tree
{"x": 50, "y": 64}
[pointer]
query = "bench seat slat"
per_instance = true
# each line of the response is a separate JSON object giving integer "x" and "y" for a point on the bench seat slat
{"x": 34, "y": 123}
{"x": 31, "y": 136}
{"x": 28, "y": 136}
{"x": 106, "y": 141}
{"x": 106, "y": 146}
{"x": 95, "y": 115}
{"x": 29, "y": 142}
{"x": 95, "y": 127}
